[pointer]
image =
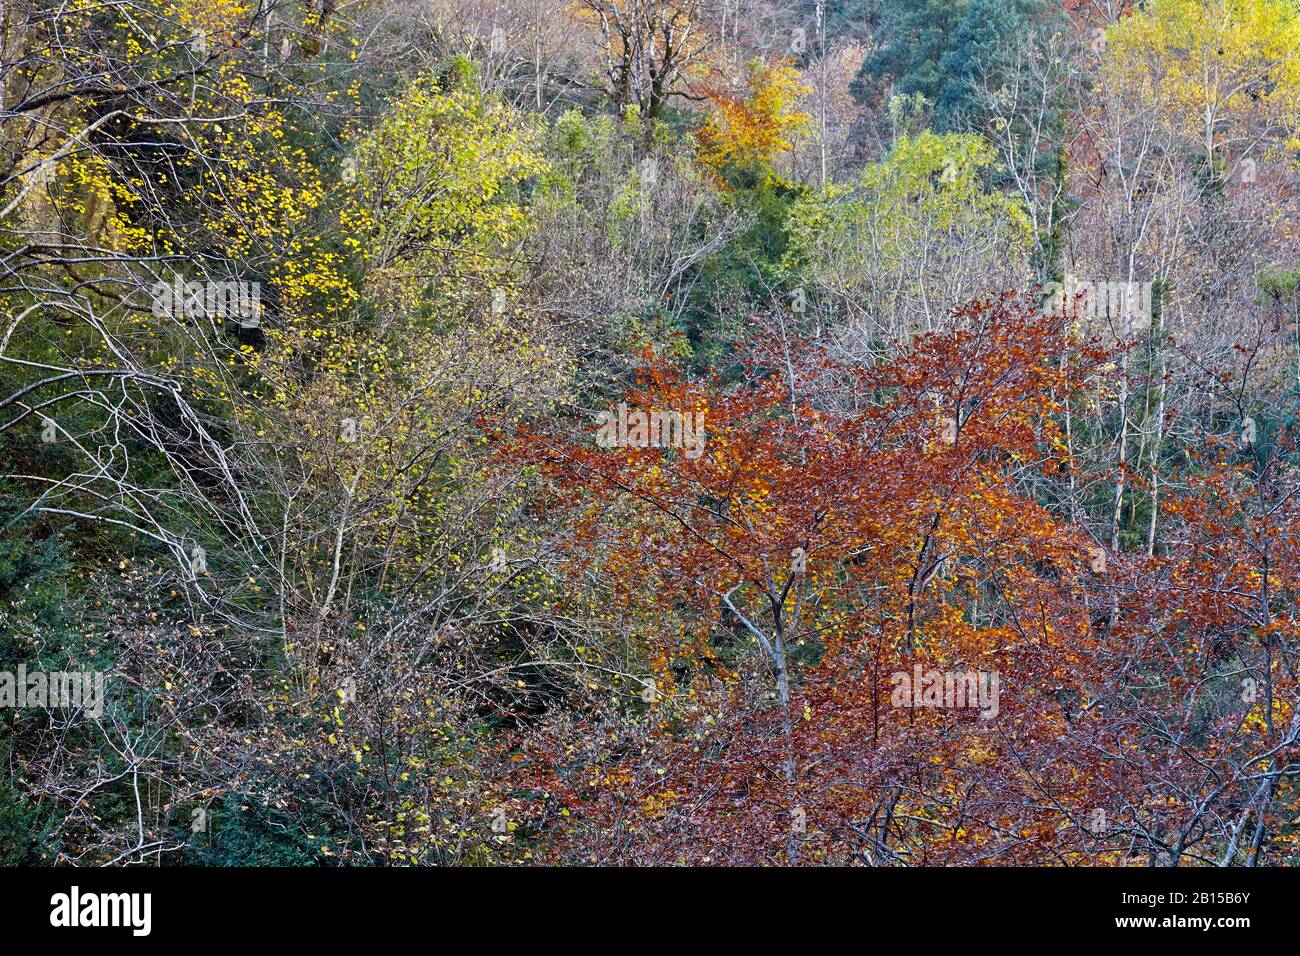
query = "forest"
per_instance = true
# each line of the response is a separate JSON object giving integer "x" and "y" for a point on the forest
{"x": 701, "y": 433}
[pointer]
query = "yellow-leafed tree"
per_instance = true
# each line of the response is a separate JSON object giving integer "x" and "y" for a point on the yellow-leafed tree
{"x": 1226, "y": 71}
{"x": 756, "y": 123}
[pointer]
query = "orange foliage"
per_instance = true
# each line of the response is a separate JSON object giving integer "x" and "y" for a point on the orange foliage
{"x": 756, "y": 124}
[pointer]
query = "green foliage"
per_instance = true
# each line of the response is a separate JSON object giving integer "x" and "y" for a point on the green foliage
{"x": 939, "y": 48}
{"x": 24, "y": 834}
{"x": 245, "y": 833}
{"x": 459, "y": 74}
{"x": 1278, "y": 282}
{"x": 927, "y": 201}
{"x": 983, "y": 47}
{"x": 910, "y": 44}
{"x": 753, "y": 263}
{"x": 34, "y": 597}
{"x": 440, "y": 186}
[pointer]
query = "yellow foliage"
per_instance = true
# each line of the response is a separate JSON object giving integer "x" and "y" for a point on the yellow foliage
{"x": 756, "y": 125}
{"x": 1222, "y": 71}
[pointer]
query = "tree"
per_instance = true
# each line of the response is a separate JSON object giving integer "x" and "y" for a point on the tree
{"x": 1224, "y": 70}
{"x": 648, "y": 47}
{"x": 840, "y": 543}
{"x": 436, "y": 207}
{"x": 918, "y": 233}
{"x": 750, "y": 129}
{"x": 943, "y": 48}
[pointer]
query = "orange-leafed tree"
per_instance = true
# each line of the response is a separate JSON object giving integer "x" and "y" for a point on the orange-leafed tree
{"x": 824, "y": 542}
{"x": 753, "y": 124}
